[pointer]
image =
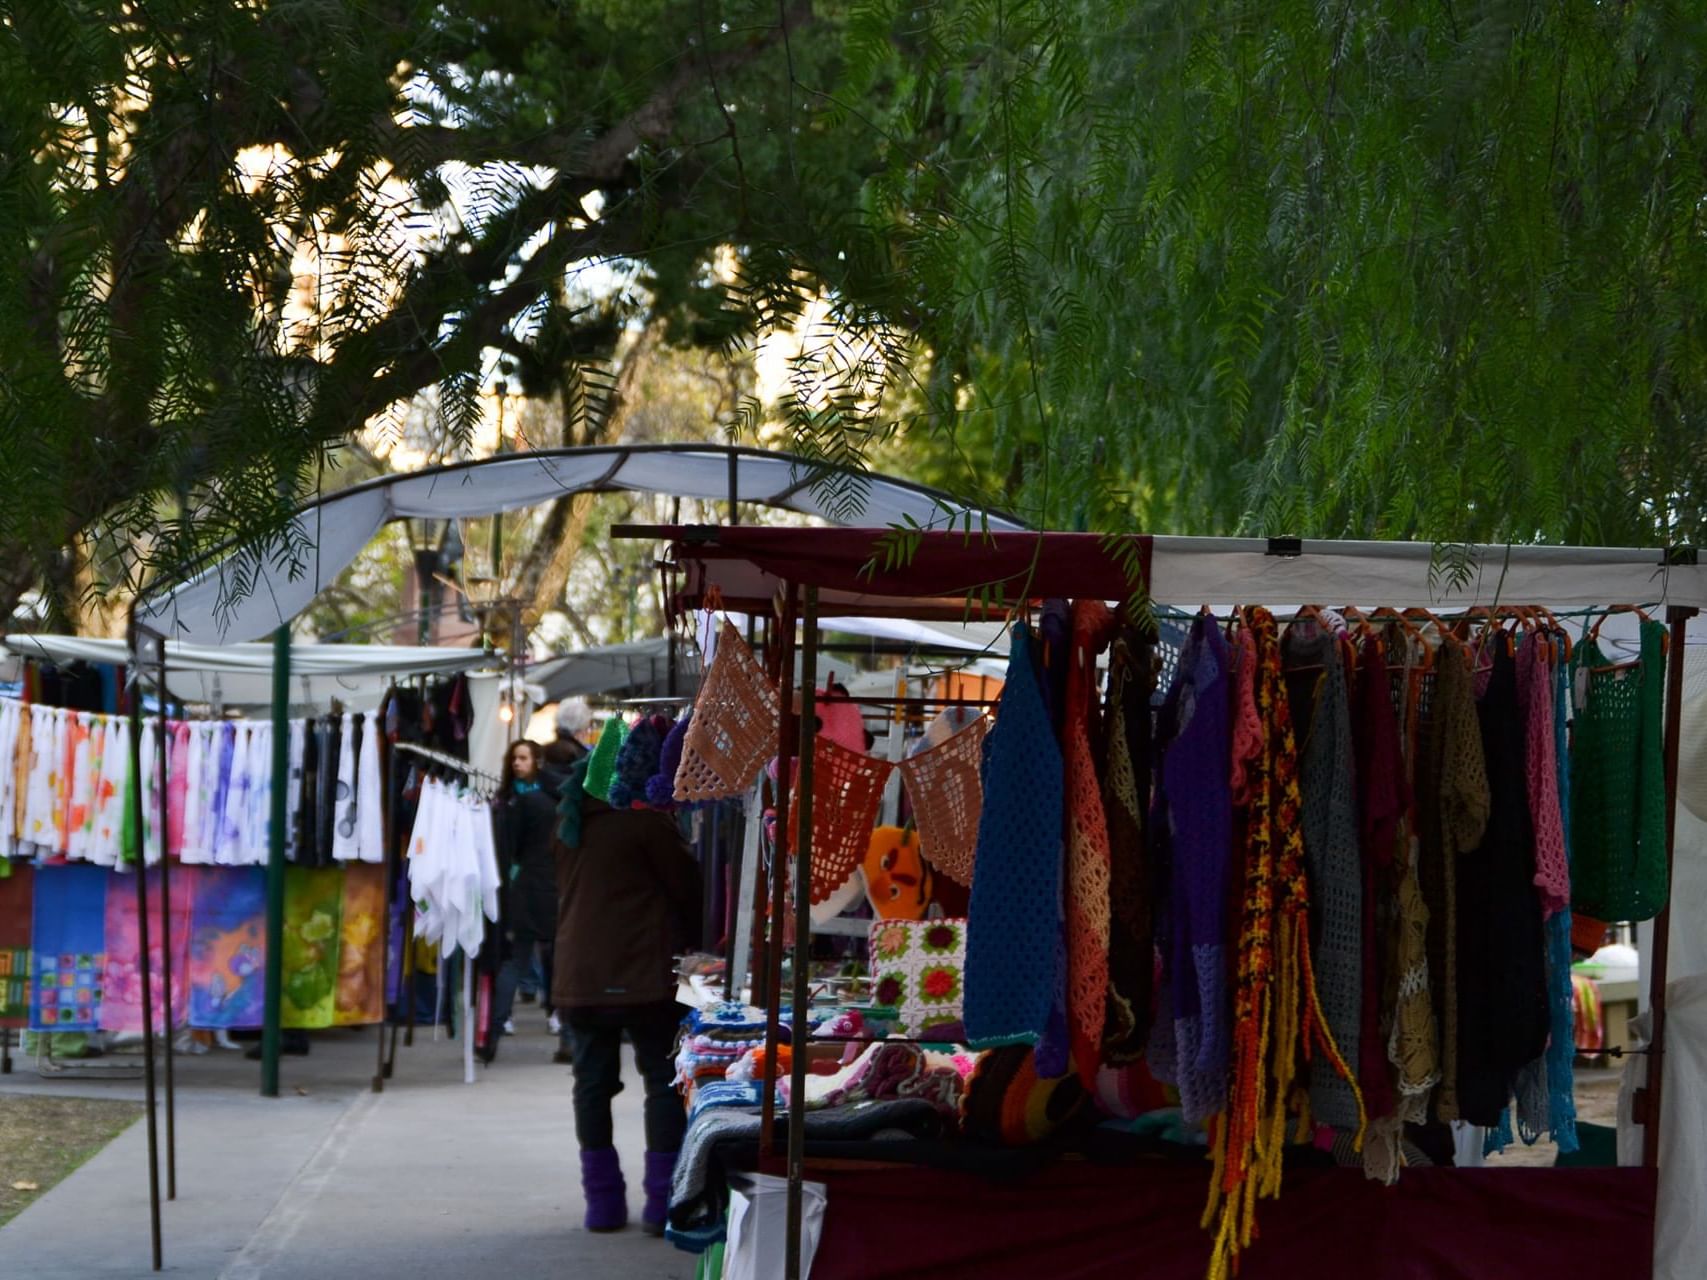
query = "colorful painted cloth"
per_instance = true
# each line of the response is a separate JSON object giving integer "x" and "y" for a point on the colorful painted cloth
{"x": 917, "y": 968}
{"x": 228, "y": 946}
{"x": 360, "y": 939}
{"x": 313, "y": 898}
{"x": 121, "y": 1008}
{"x": 16, "y": 891}
{"x": 68, "y": 948}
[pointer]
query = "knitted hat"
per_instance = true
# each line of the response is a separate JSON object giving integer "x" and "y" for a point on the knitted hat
{"x": 661, "y": 786}
{"x": 569, "y": 804}
{"x": 601, "y": 765}
{"x": 637, "y": 762}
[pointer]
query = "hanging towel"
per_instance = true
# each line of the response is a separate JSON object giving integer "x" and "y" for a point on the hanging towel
{"x": 345, "y": 842}
{"x": 1014, "y": 940}
{"x": 370, "y": 825}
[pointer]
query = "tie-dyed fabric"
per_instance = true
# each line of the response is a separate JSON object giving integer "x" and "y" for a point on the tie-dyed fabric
{"x": 312, "y": 907}
{"x": 361, "y": 937}
{"x": 121, "y": 1009}
{"x": 228, "y": 946}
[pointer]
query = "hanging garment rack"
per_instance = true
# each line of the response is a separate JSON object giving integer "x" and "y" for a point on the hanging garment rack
{"x": 451, "y": 762}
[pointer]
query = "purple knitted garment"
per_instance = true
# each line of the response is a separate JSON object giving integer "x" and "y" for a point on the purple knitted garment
{"x": 1194, "y": 803}
{"x": 661, "y": 786}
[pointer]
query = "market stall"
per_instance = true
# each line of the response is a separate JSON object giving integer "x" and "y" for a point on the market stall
{"x": 1425, "y": 651}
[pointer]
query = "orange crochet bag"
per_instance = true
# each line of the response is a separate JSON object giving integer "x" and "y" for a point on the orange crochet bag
{"x": 948, "y": 796}
{"x": 734, "y": 725}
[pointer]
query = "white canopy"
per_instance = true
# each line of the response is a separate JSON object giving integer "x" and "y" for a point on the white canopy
{"x": 241, "y": 675}
{"x": 210, "y": 609}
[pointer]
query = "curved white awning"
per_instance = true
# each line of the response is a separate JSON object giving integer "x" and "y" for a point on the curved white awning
{"x": 242, "y": 596}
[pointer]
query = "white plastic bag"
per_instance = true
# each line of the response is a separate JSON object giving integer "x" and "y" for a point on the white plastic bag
{"x": 758, "y": 1226}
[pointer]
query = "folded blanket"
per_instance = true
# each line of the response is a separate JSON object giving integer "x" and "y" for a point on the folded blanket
{"x": 699, "y": 1195}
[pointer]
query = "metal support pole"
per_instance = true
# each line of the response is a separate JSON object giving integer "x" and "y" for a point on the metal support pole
{"x": 271, "y": 1011}
{"x": 1678, "y": 616}
{"x": 802, "y": 938}
{"x": 133, "y": 801}
{"x": 165, "y": 919}
{"x": 380, "y": 1070}
{"x": 772, "y": 969}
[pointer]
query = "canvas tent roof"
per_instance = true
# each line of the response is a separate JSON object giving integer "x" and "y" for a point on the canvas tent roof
{"x": 208, "y": 608}
{"x": 241, "y": 675}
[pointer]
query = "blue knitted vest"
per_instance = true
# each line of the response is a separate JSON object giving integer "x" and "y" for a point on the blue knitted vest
{"x": 1013, "y": 932}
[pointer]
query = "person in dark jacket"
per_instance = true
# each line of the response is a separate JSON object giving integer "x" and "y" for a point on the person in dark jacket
{"x": 525, "y": 816}
{"x": 628, "y": 903}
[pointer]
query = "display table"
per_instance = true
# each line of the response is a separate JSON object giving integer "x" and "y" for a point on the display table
{"x": 1073, "y": 1220}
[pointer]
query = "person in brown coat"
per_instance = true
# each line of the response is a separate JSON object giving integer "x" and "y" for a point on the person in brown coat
{"x": 628, "y": 902}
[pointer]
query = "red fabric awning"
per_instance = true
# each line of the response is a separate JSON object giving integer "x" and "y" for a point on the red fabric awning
{"x": 870, "y": 566}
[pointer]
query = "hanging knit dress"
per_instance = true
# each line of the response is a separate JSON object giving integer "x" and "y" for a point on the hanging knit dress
{"x": 1452, "y": 813}
{"x": 1327, "y": 776}
{"x": 1126, "y": 783}
{"x": 1502, "y": 994}
{"x": 1087, "y": 847}
{"x": 1013, "y": 934}
{"x": 1618, "y": 809}
{"x": 1194, "y": 819}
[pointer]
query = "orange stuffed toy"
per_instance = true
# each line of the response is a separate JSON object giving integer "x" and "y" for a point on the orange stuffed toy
{"x": 897, "y": 879}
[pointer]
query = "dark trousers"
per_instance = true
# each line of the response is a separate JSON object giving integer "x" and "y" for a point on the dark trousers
{"x": 511, "y": 972}
{"x": 595, "y": 1038}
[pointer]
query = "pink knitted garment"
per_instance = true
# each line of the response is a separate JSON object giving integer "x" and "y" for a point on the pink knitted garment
{"x": 1088, "y": 855}
{"x": 1535, "y": 695}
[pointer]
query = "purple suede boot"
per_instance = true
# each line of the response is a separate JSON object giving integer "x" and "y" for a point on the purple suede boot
{"x": 604, "y": 1190}
{"x": 660, "y": 1166}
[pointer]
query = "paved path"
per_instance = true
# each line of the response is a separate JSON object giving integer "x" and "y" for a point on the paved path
{"x": 431, "y": 1178}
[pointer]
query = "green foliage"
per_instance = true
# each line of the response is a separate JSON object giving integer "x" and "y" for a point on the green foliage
{"x": 1403, "y": 270}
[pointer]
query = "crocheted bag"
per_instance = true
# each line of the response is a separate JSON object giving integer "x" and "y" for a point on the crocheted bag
{"x": 948, "y": 797}
{"x": 1618, "y": 867}
{"x": 847, "y": 790}
{"x": 734, "y": 726}
{"x": 1014, "y": 936}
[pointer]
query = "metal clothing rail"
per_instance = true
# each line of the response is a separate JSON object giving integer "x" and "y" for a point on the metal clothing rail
{"x": 449, "y": 762}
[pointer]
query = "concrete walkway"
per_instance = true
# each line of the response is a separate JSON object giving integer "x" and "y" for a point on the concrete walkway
{"x": 431, "y": 1178}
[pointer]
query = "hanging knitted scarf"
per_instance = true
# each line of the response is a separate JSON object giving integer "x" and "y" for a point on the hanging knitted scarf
{"x": 1013, "y": 932}
{"x": 1276, "y": 1013}
{"x": 1126, "y": 778}
{"x": 1561, "y": 994}
{"x": 1087, "y": 848}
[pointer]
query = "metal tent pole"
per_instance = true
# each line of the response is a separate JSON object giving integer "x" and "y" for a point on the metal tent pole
{"x": 772, "y": 970}
{"x": 271, "y": 1012}
{"x": 802, "y": 939}
{"x": 167, "y": 1020}
{"x": 1678, "y": 616}
{"x": 381, "y": 1070}
{"x": 133, "y": 802}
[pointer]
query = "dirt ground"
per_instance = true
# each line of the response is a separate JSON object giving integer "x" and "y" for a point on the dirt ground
{"x": 42, "y": 1139}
